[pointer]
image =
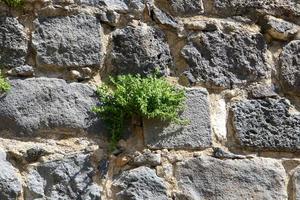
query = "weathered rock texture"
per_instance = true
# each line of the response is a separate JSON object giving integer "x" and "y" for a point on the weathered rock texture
{"x": 139, "y": 183}
{"x": 13, "y": 43}
{"x": 290, "y": 67}
{"x": 39, "y": 105}
{"x": 71, "y": 41}
{"x": 225, "y": 60}
{"x": 10, "y": 183}
{"x": 239, "y": 61}
{"x": 141, "y": 49}
{"x": 210, "y": 178}
{"x": 266, "y": 124}
{"x": 69, "y": 178}
{"x": 195, "y": 135}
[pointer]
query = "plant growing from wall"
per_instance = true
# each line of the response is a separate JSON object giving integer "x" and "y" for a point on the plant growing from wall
{"x": 13, "y": 3}
{"x": 4, "y": 85}
{"x": 127, "y": 96}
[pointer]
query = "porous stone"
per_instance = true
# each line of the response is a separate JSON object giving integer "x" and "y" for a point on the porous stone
{"x": 70, "y": 41}
{"x": 13, "y": 43}
{"x": 50, "y": 105}
{"x": 140, "y": 50}
{"x": 266, "y": 124}
{"x": 195, "y": 135}
{"x": 226, "y": 60}
{"x": 210, "y": 178}
{"x": 68, "y": 178}
{"x": 10, "y": 183}
{"x": 289, "y": 71}
{"x": 280, "y": 29}
{"x": 244, "y": 7}
{"x": 186, "y": 7}
{"x": 139, "y": 183}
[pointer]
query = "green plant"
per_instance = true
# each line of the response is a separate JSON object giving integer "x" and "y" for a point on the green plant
{"x": 13, "y": 3}
{"x": 127, "y": 96}
{"x": 4, "y": 85}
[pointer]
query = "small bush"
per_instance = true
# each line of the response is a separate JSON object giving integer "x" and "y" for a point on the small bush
{"x": 129, "y": 95}
{"x": 13, "y": 3}
{"x": 4, "y": 85}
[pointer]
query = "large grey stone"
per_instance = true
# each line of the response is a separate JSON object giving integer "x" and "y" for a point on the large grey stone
{"x": 139, "y": 183}
{"x": 68, "y": 178}
{"x": 13, "y": 43}
{"x": 289, "y": 71}
{"x": 266, "y": 124}
{"x": 186, "y": 7}
{"x": 225, "y": 60}
{"x": 210, "y": 178}
{"x": 195, "y": 135}
{"x": 67, "y": 41}
{"x": 284, "y": 8}
{"x": 48, "y": 105}
{"x": 10, "y": 183}
{"x": 140, "y": 50}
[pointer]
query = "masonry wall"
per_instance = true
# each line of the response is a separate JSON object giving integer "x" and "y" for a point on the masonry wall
{"x": 238, "y": 59}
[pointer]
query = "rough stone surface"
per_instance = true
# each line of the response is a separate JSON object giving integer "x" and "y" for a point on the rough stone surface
{"x": 262, "y": 91}
{"x": 290, "y": 68}
{"x": 140, "y": 50}
{"x": 116, "y": 5}
{"x": 244, "y": 7}
{"x": 266, "y": 124}
{"x": 280, "y": 29}
{"x": 163, "y": 18}
{"x": 69, "y": 178}
{"x": 23, "y": 70}
{"x": 48, "y": 105}
{"x": 195, "y": 135}
{"x": 71, "y": 41}
{"x": 139, "y": 183}
{"x": 210, "y": 178}
{"x": 296, "y": 184}
{"x": 186, "y": 7}
{"x": 13, "y": 43}
{"x": 219, "y": 59}
{"x": 10, "y": 184}
{"x": 147, "y": 158}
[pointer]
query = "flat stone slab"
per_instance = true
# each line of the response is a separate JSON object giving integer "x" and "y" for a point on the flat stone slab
{"x": 266, "y": 124}
{"x": 195, "y": 135}
{"x": 289, "y": 71}
{"x": 13, "y": 43}
{"x": 68, "y": 178}
{"x": 140, "y": 50}
{"x": 48, "y": 105}
{"x": 226, "y": 60}
{"x": 71, "y": 41}
{"x": 210, "y": 178}
{"x": 139, "y": 183}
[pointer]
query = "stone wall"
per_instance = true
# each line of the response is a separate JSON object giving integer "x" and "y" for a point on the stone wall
{"x": 238, "y": 59}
